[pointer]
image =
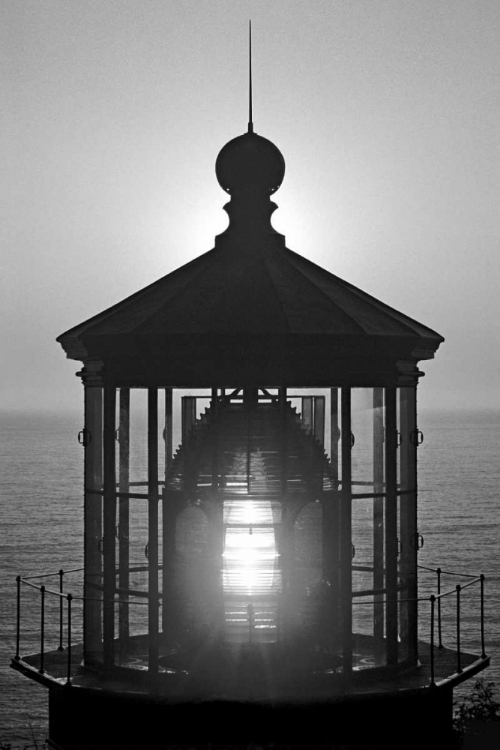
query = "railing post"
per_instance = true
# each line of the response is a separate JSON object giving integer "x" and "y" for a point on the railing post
{"x": 68, "y": 680}
{"x": 483, "y": 650}
{"x": 459, "y": 663}
{"x": 61, "y": 574}
{"x": 18, "y": 623}
{"x": 433, "y": 603}
{"x": 42, "y": 631}
{"x": 440, "y": 634}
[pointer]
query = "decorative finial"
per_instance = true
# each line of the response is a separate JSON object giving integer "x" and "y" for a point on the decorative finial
{"x": 250, "y": 118}
{"x": 250, "y": 163}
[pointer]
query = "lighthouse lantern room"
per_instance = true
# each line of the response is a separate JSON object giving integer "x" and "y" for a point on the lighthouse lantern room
{"x": 250, "y": 517}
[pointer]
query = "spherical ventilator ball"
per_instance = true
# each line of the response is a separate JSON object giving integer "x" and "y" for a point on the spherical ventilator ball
{"x": 250, "y": 161}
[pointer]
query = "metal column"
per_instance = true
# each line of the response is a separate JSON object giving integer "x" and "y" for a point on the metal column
{"x": 124, "y": 513}
{"x": 92, "y": 618}
{"x": 334, "y": 431}
{"x": 331, "y": 526}
{"x": 346, "y": 533}
{"x": 286, "y": 531}
{"x": 215, "y": 408}
{"x": 153, "y": 608}
{"x": 378, "y": 521}
{"x": 215, "y": 513}
{"x": 391, "y": 527}
{"x": 408, "y": 520}
{"x": 283, "y": 442}
{"x": 168, "y": 520}
{"x": 168, "y": 433}
{"x": 109, "y": 524}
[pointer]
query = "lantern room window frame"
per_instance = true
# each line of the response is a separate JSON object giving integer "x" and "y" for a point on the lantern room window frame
{"x": 391, "y": 499}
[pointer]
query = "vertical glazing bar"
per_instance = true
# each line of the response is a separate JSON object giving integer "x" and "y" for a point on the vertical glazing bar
{"x": 284, "y": 613}
{"x": 109, "y": 524}
{"x": 42, "y": 632}
{"x": 169, "y": 430}
{"x": 168, "y": 549}
{"x": 68, "y": 679}
{"x": 153, "y": 651}
{"x": 92, "y": 582}
{"x": 459, "y": 660}
{"x": 346, "y": 534}
{"x": 391, "y": 528}
{"x": 330, "y": 528}
{"x": 308, "y": 421}
{"x": 433, "y": 602}
{"x": 124, "y": 515}
{"x": 168, "y": 521}
{"x": 249, "y": 404}
{"x": 483, "y": 648}
{"x": 61, "y": 574}
{"x": 307, "y": 413}
{"x": 318, "y": 437}
{"x": 319, "y": 419}
{"x": 214, "y": 408}
{"x": 334, "y": 432}
{"x": 408, "y": 522}
{"x": 216, "y": 521}
{"x": 378, "y": 522}
{"x": 188, "y": 416}
{"x": 18, "y": 619}
{"x": 188, "y": 423}
{"x": 284, "y": 442}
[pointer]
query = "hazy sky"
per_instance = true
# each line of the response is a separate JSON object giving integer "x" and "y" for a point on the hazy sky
{"x": 387, "y": 113}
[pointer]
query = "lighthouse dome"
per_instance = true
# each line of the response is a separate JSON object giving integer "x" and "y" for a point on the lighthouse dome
{"x": 250, "y": 161}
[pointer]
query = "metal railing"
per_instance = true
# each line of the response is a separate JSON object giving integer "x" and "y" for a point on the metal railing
{"x": 436, "y": 614}
{"x": 70, "y": 599}
{"x": 63, "y": 597}
{"x": 367, "y": 598}
{"x": 435, "y": 600}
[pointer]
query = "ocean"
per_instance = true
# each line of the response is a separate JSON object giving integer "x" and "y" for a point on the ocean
{"x": 42, "y": 506}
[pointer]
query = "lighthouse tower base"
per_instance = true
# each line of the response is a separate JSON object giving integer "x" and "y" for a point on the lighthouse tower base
{"x": 80, "y": 719}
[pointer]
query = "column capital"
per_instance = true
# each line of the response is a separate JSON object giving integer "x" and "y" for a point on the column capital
{"x": 92, "y": 373}
{"x": 408, "y": 373}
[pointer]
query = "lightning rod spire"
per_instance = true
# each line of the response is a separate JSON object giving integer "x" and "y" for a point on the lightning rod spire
{"x": 250, "y": 114}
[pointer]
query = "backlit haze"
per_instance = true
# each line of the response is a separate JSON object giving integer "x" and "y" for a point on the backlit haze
{"x": 387, "y": 114}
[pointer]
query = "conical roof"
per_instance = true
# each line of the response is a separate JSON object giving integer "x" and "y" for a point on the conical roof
{"x": 250, "y": 311}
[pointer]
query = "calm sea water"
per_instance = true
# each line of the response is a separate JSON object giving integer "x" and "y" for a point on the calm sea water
{"x": 41, "y": 505}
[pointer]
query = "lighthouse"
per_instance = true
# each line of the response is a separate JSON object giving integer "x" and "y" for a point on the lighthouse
{"x": 250, "y": 508}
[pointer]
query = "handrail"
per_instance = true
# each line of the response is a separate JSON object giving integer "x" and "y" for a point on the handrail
{"x": 39, "y": 588}
{"x": 453, "y": 591}
{"x": 447, "y": 572}
{"x": 48, "y": 575}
